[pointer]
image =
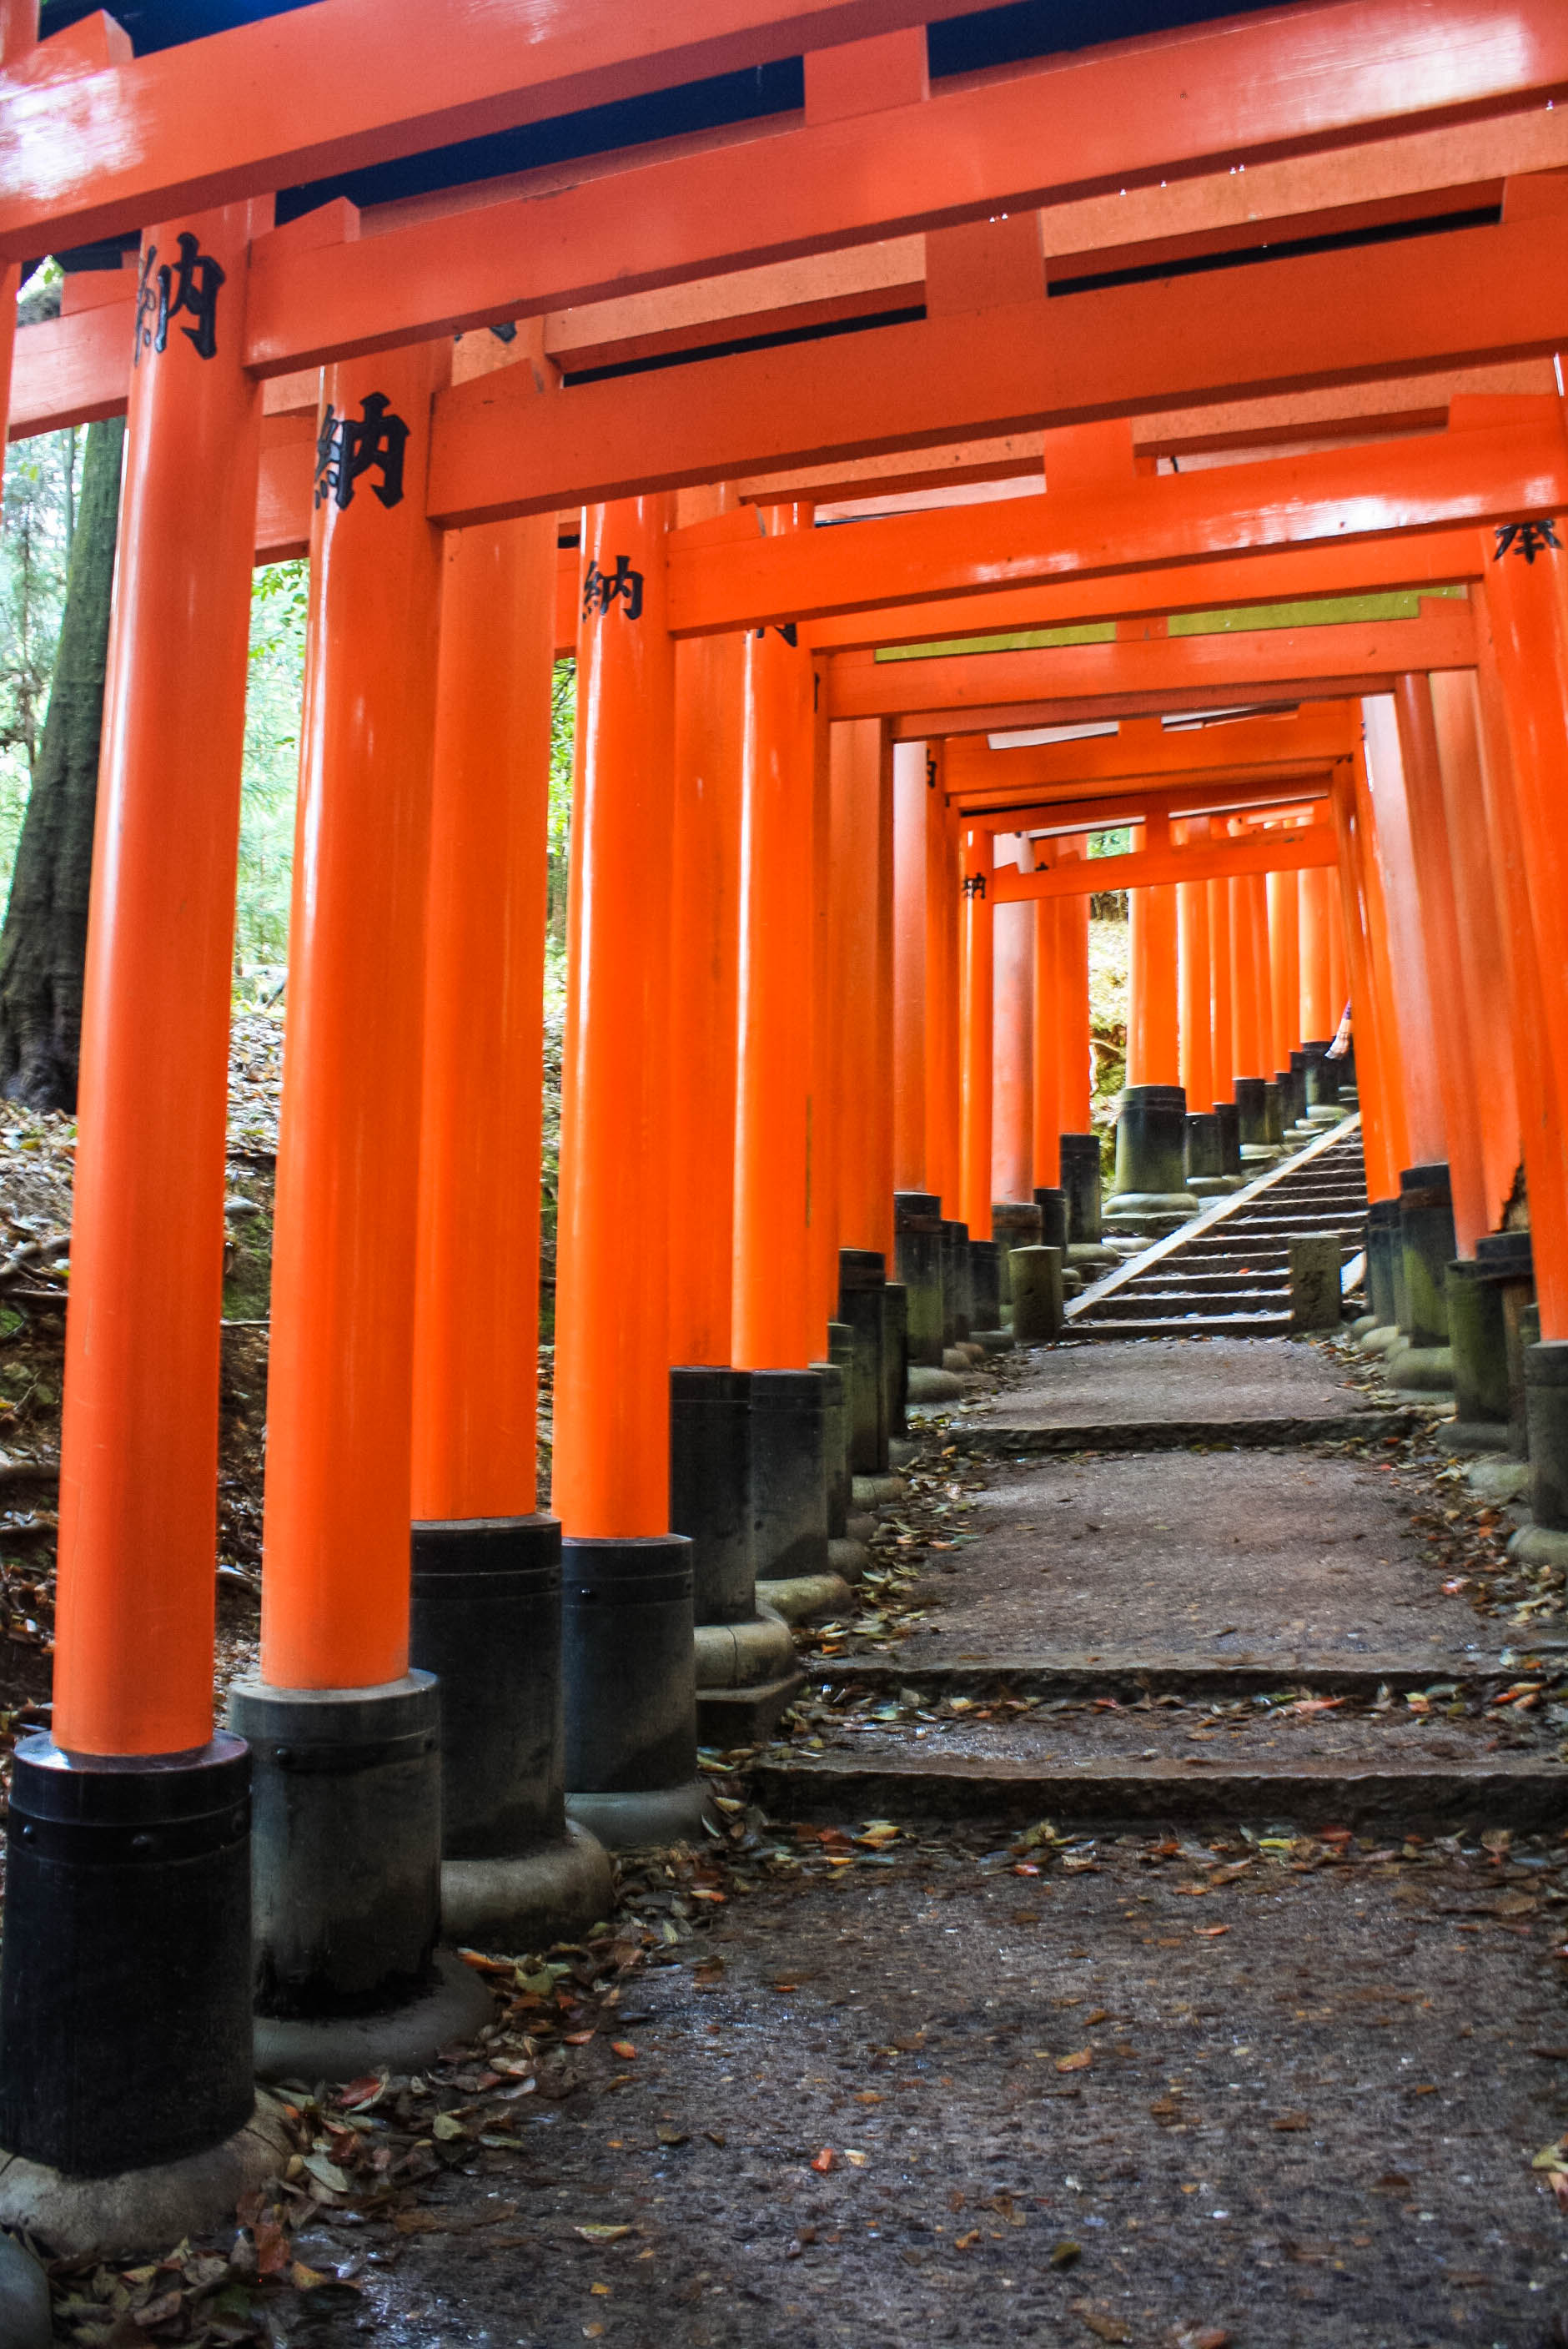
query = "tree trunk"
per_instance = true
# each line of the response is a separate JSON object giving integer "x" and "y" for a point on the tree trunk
{"x": 43, "y": 946}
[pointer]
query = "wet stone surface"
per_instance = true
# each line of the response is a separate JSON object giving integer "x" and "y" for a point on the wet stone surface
{"x": 1222, "y": 1379}
{"x": 1155, "y": 2092}
{"x": 1243, "y": 1556}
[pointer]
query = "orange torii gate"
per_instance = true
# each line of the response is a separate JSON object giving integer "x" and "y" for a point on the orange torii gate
{"x": 187, "y": 148}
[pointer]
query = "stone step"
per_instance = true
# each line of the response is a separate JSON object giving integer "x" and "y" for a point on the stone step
{"x": 1525, "y": 1796}
{"x": 1219, "y": 1325}
{"x": 1136, "y": 1303}
{"x": 1196, "y": 1675}
{"x": 995, "y": 1439}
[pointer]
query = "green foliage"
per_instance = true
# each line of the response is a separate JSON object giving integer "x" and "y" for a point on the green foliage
{"x": 42, "y": 485}
{"x": 280, "y": 600}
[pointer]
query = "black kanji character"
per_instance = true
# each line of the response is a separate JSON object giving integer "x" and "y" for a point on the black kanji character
{"x": 600, "y": 590}
{"x": 1526, "y": 538}
{"x": 345, "y": 447}
{"x": 789, "y": 632}
{"x": 974, "y": 884}
{"x": 190, "y": 285}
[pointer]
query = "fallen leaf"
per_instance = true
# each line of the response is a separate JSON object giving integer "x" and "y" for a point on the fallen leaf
{"x": 624, "y": 2049}
{"x": 827, "y": 2160}
{"x": 966, "y": 2242}
{"x": 1291, "y": 2121}
{"x": 595, "y": 2234}
{"x": 858, "y": 2160}
{"x": 327, "y": 2173}
{"x": 1063, "y": 2253}
{"x": 443, "y": 2126}
{"x": 417, "y": 2223}
{"x": 1103, "y": 2327}
{"x": 577, "y": 2038}
{"x": 673, "y": 2136}
{"x": 600, "y": 2291}
{"x": 1079, "y": 2063}
{"x": 1210, "y": 1932}
{"x": 592, "y": 2331}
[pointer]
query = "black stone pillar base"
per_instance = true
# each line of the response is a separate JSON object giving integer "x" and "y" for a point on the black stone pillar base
{"x": 1546, "y": 1403}
{"x": 789, "y": 1475}
{"x": 1508, "y": 1259}
{"x": 1428, "y": 1246}
{"x": 630, "y": 1661}
{"x": 710, "y": 1489}
{"x": 1081, "y": 1182}
{"x": 895, "y": 1357}
{"x": 1014, "y": 1224}
{"x": 957, "y": 1292}
{"x": 1382, "y": 1246}
{"x": 985, "y": 1275}
{"x": 1479, "y": 1344}
{"x": 346, "y": 1876}
{"x": 917, "y": 1261}
{"x": 862, "y": 1276}
{"x": 486, "y": 1621}
{"x": 125, "y": 1973}
{"x": 834, "y": 1374}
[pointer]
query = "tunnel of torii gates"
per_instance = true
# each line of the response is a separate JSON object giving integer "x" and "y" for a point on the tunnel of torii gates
{"x": 828, "y": 1004}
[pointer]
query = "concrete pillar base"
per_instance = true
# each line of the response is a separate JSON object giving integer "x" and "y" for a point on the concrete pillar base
{"x": 863, "y": 1273}
{"x": 747, "y": 1676}
{"x": 1212, "y": 1186}
{"x": 1497, "y": 1478}
{"x": 25, "y": 2321}
{"x": 957, "y": 1297}
{"x": 1382, "y": 1241}
{"x": 452, "y": 2004}
{"x": 834, "y": 1376}
{"x": 849, "y": 1557}
{"x": 531, "y": 1898}
{"x": 1150, "y": 1143}
{"x": 646, "y": 1818}
{"x": 1091, "y": 1259}
{"x": 1015, "y": 1225}
{"x": 1546, "y": 1404}
{"x": 98, "y": 2218}
{"x": 879, "y": 1491}
{"x": 1421, "y": 1370}
{"x": 799, "y": 1596}
{"x": 1382, "y": 1338}
{"x": 1541, "y": 1546}
{"x": 1149, "y": 1214}
{"x": 1037, "y": 1295}
{"x": 929, "y": 1387}
{"x": 630, "y": 1672}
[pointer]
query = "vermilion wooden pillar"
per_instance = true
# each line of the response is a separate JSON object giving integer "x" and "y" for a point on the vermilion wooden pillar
{"x": 1255, "y": 898}
{"x": 1475, "y": 861}
{"x": 1012, "y": 1133}
{"x": 775, "y": 1323}
{"x": 1338, "y": 968}
{"x": 1284, "y": 965}
{"x": 1447, "y": 985}
{"x": 335, "y": 1595}
{"x": 1221, "y": 1017}
{"x": 1153, "y": 1055}
{"x": 1541, "y": 1120}
{"x": 705, "y": 910}
{"x": 1075, "y": 1083}
{"x": 1197, "y": 1061}
{"x": 1528, "y": 657}
{"x": 1417, "y": 1064}
{"x": 1382, "y": 997}
{"x": 475, "y": 1356}
{"x": 974, "y": 1167}
{"x": 910, "y": 791}
{"x": 18, "y": 31}
{"x": 1383, "y": 1161}
{"x": 943, "y": 899}
{"x": 611, "y": 1469}
{"x": 1047, "y": 1117}
{"x": 1318, "y": 1017}
{"x": 1246, "y": 1024}
{"x": 862, "y": 786}
{"x": 126, "y": 1967}
{"x": 138, "y": 1476}
{"x": 823, "y": 1202}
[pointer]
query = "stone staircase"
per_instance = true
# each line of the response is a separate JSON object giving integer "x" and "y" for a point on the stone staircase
{"x": 1226, "y": 1273}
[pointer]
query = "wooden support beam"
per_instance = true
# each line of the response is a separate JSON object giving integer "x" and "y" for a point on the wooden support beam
{"x": 1322, "y": 732}
{"x": 1490, "y": 474}
{"x": 1411, "y": 561}
{"x": 357, "y": 82}
{"x": 1281, "y": 851}
{"x": 1328, "y": 318}
{"x": 1110, "y": 809}
{"x": 1095, "y": 120}
{"x": 1230, "y": 665}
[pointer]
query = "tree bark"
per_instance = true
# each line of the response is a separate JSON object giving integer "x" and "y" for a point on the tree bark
{"x": 43, "y": 946}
